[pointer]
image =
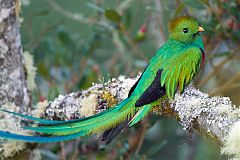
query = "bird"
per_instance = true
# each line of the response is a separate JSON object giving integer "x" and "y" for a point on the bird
{"x": 169, "y": 71}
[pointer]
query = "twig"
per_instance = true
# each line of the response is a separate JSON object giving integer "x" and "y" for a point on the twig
{"x": 142, "y": 135}
{"x": 76, "y": 16}
{"x": 63, "y": 153}
{"x": 216, "y": 69}
{"x": 226, "y": 86}
{"x": 124, "y": 5}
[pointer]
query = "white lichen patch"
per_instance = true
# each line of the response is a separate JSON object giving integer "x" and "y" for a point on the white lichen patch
{"x": 4, "y": 13}
{"x": 9, "y": 123}
{"x": 232, "y": 113}
{"x": 40, "y": 109}
{"x": 74, "y": 105}
{"x": 121, "y": 86}
{"x": 212, "y": 114}
{"x": 3, "y": 48}
{"x": 10, "y": 148}
{"x": 90, "y": 101}
{"x": 231, "y": 145}
{"x": 189, "y": 106}
{"x": 88, "y": 105}
{"x": 30, "y": 69}
{"x": 15, "y": 74}
{"x": 63, "y": 107}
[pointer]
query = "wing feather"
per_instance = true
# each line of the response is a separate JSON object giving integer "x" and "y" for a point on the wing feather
{"x": 180, "y": 69}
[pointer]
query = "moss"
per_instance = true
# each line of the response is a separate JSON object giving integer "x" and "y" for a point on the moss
{"x": 10, "y": 148}
{"x": 30, "y": 70}
{"x": 163, "y": 108}
{"x": 88, "y": 105}
{"x": 109, "y": 98}
{"x": 231, "y": 145}
{"x": 40, "y": 109}
{"x": 214, "y": 114}
{"x": 9, "y": 123}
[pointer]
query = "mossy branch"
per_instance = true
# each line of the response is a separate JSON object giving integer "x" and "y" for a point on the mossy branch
{"x": 195, "y": 111}
{"x": 214, "y": 117}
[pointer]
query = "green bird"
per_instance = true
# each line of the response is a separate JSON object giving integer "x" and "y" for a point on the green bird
{"x": 170, "y": 70}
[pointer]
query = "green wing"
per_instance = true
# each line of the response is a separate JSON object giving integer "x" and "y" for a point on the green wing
{"x": 179, "y": 70}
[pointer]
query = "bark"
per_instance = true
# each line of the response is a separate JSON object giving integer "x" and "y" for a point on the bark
{"x": 195, "y": 111}
{"x": 13, "y": 86}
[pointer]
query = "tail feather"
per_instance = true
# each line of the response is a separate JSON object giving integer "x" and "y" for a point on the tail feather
{"x": 142, "y": 113}
{"x": 95, "y": 125}
{"x": 34, "y": 119}
{"x": 51, "y": 122}
{"x": 38, "y": 139}
{"x": 66, "y": 130}
{"x": 110, "y": 134}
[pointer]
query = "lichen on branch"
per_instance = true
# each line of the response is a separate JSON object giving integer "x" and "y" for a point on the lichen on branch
{"x": 14, "y": 93}
{"x": 84, "y": 103}
{"x": 195, "y": 111}
{"x": 215, "y": 117}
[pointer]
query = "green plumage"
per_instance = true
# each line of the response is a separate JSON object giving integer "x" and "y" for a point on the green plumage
{"x": 172, "y": 68}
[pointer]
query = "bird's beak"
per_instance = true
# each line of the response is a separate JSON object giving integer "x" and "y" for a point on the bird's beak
{"x": 200, "y": 29}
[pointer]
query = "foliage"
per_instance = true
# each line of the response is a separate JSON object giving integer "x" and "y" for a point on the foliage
{"x": 80, "y": 42}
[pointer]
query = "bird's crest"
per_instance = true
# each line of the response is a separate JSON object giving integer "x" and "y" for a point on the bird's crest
{"x": 174, "y": 22}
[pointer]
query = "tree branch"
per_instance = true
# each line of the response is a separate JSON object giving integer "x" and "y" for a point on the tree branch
{"x": 13, "y": 87}
{"x": 196, "y": 111}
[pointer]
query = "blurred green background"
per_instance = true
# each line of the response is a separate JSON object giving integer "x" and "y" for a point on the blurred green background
{"x": 76, "y": 43}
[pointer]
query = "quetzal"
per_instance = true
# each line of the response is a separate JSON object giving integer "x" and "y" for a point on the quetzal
{"x": 170, "y": 70}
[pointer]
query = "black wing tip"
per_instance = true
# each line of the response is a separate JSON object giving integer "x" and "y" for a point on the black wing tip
{"x": 112, "y": 133}
{"x": 138, "y": 104}
{"x": 153, "y": 92}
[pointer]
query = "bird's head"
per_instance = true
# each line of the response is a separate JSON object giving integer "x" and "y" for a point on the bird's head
{"x": 184, "y": 29}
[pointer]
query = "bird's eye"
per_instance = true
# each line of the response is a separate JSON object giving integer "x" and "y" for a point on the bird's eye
{"x": 185, "y": 30}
